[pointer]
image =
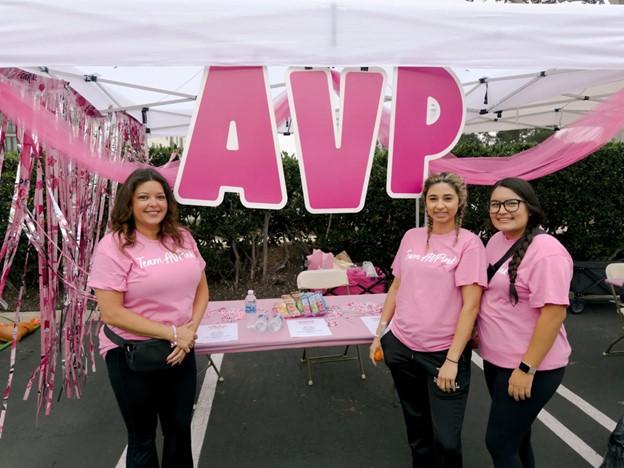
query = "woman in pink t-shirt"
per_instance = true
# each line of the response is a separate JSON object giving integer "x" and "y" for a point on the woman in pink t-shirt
{"x": 433, "y": 303}
{"x": 522, "y": 338}
{"x": 149, "y": 282}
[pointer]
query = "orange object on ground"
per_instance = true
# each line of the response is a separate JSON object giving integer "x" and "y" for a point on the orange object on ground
{"x": 378, "y": 355}
{"x": 23, "y": 329}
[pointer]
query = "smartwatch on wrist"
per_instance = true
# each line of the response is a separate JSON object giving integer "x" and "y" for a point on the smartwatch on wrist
{"x": 524, "y": 367}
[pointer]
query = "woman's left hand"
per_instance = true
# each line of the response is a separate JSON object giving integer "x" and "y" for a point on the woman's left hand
{"x": 446, "y": 377}
{"x": 176, "y": 357}
{"x": 520, "y": 384}
{"x": 187, "y": 334}
{"x": 193, "y": 327}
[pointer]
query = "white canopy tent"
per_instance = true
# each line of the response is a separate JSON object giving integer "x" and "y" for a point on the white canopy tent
{"x": 312, "y": 32}
{"x": 522, "y": 65}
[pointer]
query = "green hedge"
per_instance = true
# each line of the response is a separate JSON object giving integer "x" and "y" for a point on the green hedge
{"x": 583, "y": 203}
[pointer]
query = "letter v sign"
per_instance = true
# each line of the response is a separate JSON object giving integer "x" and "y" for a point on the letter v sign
{"x": 335, "y": 159}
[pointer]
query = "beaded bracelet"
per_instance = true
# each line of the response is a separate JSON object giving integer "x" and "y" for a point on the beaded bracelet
{"x": 382, "y": 324}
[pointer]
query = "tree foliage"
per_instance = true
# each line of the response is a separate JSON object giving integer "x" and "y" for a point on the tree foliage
{"x": 583, "y": 205}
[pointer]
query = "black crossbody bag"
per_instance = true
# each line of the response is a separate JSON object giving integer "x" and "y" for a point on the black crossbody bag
{"x": 492, "y": 269}
{"x": 142, "y": 355}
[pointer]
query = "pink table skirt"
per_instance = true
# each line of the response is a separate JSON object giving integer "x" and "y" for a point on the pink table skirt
{"x": 616, "y": 281}
{"x": 345, "y": 325}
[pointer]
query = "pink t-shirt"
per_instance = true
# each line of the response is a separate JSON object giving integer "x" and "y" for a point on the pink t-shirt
{"x": 543, "y": 278}
{"x": 157, "y": 283}
{"x": 429, "y": 299}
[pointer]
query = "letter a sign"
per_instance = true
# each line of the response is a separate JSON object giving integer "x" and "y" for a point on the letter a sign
{"x": 233, "y": 144}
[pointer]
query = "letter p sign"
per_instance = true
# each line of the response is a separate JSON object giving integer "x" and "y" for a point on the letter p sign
{"x": 426, "y": 122}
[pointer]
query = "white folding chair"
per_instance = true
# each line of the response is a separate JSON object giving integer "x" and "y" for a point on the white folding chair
{"x": 326, "y": 279}
{"x": 615, "y": 271}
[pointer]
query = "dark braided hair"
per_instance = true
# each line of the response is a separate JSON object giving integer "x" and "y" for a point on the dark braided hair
{"x": 525, "y": 191}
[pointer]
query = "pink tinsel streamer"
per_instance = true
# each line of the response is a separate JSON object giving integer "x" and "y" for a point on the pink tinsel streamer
{"x": 67, "y": 217}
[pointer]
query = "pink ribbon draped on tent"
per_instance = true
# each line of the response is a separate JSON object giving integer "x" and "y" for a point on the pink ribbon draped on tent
{"x": 562, "y": 149}
{"x": 55, "y": 133}
{"x": 567, "y": 146}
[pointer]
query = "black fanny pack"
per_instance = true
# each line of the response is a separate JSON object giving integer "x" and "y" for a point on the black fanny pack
{"x": 142, "y": 355}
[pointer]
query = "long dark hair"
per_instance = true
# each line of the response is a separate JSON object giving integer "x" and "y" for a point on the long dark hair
{"x": 525, "y": 191}
{"x": 122, "y": 219}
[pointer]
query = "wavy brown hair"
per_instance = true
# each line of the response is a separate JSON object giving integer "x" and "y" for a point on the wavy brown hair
{"x": 525, "y": 192}
{"x": 459, "y": 186}
{"x": 122, "y": 219}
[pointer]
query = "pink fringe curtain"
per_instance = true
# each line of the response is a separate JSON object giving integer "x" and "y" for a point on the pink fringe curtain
{"x": 68, "y": 153}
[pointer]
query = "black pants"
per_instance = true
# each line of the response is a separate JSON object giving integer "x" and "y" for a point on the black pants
{"x": 433, "y": 418}
{"x": 145, "y": 397}
{"x": 508, "y": 436}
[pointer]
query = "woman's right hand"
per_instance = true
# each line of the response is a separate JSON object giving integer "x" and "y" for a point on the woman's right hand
{"x": 186, "y": 338}
{"x": 176, "y": 356}
{"x": 375, "y": 347}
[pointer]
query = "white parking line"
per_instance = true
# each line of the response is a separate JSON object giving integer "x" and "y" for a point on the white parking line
{"x": 200, "y": 415}
{"x": 575, "y": 442}
{"x": 203, "y": 407}
{"x": 122, "y": 460}
{"x": 570, "y": 438}
{"x": 594, "y": 413}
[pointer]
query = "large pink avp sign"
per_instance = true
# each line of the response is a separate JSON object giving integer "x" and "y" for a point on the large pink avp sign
{"x": 232, "y": 145}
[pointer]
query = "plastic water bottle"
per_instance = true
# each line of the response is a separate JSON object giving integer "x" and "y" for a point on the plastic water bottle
{"x": 276, "y": 322}
{"x": 250, "y": 308}
{"x": 262, "y": 322}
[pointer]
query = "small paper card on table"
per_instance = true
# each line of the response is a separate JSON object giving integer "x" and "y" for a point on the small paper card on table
{"x": 217, "y": 333}
{"x": 304, "y": 328}
{"x": 371, "y": 323}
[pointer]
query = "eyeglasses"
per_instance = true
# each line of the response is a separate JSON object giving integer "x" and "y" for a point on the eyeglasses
{"x": 512, "y": 205}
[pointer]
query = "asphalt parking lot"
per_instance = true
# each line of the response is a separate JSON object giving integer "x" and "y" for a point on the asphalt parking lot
{"x": 264, "y": 414}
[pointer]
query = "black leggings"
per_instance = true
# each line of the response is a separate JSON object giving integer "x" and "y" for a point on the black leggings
{"x": 508, "y": 436}
{"x": 143, "y": 398}
{"x": 433, "y": 418}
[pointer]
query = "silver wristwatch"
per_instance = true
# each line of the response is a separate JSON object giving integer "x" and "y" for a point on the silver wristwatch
{"x": 524, "y": 367}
